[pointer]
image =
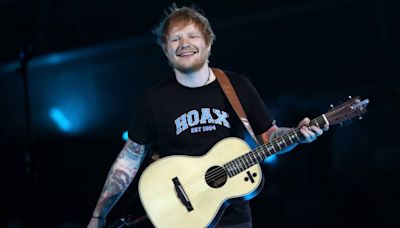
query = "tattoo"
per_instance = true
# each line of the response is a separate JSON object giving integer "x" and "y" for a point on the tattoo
{"x": 105, "y": 204}
{"x": 120, "y": 181}
{"x": 120, "y": 176}
{"x": 134, "y": 147}
{"x": 133, "y": 151}
{"x": 117, "y": 183}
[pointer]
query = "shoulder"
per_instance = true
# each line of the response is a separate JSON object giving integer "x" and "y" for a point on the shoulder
{"x": 159, "y": 88}
{"x": 239, "y": 80}
{"x": 234, "y": 76}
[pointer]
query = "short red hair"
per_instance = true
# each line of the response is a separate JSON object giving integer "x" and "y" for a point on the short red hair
{"x": 181, "y": 17}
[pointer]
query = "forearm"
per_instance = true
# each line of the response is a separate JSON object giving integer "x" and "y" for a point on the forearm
{"x": 119, "y": 177}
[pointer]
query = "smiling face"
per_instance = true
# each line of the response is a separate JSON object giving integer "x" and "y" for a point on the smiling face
{"x": 186, "y": 48}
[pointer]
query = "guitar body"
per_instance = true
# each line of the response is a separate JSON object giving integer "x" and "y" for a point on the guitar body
{"x": 186, "y": 191}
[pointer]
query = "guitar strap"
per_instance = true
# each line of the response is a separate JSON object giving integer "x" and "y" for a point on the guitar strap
{"x": 233, "y": 99}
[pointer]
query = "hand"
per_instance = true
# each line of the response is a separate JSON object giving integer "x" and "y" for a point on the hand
{"x": 310, "y": 133}
{"x": 97, "y": 223}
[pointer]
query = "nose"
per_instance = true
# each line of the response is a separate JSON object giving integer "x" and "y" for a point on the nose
{"x": 184, "y": 42}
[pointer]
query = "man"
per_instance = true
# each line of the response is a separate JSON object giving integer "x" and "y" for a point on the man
{"x": 188, "y": 113}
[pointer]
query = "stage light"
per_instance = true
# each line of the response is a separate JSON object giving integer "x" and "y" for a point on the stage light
{"x": 60, "y": 119}
{"x": 272, "y": 160}
{"x": 125, "y": 135}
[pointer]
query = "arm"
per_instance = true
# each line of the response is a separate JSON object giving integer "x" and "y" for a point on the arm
{"x": 118, "y": 179}
{"x": 310, "y": 133}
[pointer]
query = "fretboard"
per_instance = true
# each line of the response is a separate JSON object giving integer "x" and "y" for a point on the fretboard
{"x": 259, "y": 154}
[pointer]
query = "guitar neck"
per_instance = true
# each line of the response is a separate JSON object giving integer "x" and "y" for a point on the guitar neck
{"x": 259, "y": 154}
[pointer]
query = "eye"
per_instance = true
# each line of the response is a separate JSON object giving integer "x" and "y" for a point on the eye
{"x": 175, "y": 39}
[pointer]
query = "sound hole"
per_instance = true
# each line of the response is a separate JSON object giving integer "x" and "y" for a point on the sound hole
{"x": 216, "y": 176}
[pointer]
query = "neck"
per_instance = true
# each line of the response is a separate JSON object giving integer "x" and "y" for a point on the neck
{"x": 194, "y": 79}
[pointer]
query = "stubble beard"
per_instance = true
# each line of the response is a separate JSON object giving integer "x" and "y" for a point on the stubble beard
{"x": 191, "y": 67}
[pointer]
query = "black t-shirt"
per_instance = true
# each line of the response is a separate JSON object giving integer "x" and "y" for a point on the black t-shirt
{"x": 175, "y": 119}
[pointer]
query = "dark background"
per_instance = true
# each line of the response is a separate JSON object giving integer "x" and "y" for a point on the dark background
{"x": 92, "y": 59}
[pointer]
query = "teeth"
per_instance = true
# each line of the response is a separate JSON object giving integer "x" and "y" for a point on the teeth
{"x": 187, "y": 53}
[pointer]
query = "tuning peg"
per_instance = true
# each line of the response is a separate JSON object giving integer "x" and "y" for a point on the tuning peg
{"x": 350, "y": 97}
{"x": 360, "y": 118}
{"x": 331, "y": 106}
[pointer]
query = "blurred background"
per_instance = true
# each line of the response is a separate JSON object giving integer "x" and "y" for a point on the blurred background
{"x": 71, "y": 72}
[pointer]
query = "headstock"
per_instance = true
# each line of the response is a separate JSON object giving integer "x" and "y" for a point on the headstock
{"x": 347, "y": 110}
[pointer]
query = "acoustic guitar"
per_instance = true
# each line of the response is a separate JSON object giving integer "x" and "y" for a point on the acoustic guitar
{"x": 193, "y": 191}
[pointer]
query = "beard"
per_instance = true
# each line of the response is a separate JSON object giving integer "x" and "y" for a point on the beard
{"x": 195, "y": 65}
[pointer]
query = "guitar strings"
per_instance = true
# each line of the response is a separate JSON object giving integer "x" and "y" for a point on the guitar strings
{"x": 231, "y": 165}
{"x": 196, "y": 186}
{"x": 237, "y": 165}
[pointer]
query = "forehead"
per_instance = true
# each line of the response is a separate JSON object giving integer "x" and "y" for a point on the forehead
{"x": 182, "y": 29}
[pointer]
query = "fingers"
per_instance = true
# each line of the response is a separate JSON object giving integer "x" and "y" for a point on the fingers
{"x": 304, "y": 122}
{"x": 310, "y": 133}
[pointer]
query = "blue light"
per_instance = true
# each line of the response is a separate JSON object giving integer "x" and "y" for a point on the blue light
{"x": 61, "y": 120}
{"x": 272, "y": 160}
{"x": 125, "y": 136}
{"x": 55, "y": 59}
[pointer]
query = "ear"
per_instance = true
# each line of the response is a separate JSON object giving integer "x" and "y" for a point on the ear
{"x": 209, "y": 48}
{"x": 164, "y": 48}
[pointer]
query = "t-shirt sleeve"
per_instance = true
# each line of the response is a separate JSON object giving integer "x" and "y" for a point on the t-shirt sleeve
{"x": 141, "y": 130}
{"x": 258, "y": 114}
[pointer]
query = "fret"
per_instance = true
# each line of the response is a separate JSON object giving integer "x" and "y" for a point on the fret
{"x": 273, "y": 147}
{"x": 226, "y": 166}
{"x": 250, "y": 162}
{"x": 243, "y": 163}
{"x": 277, "y": 143}
{"x": 240, "y": 162}
{"x": 251, "y": 157}
{"x": 290, "y": 137}
{"x": 270, "y": 148}
{"x": 297, "y": 136}
{"x": 254, "y": 158}
{"x": 234, "y": 168}
{"x": 257, "y": 156}
{"x": 261, "y": 154}
{"x": 247, "y": 161}
{"x": 284, "y": 142}
{"x": 316, "y": 123}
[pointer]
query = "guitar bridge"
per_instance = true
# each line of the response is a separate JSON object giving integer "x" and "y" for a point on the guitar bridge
{"x": 182, "y": 194}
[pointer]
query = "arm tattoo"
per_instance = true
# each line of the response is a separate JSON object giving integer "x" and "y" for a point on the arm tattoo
{"x": 120, "y": 176}
{"x": 132, "y": 151}
{"x": 120, "y": 181}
